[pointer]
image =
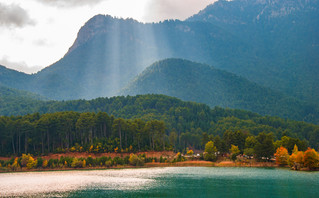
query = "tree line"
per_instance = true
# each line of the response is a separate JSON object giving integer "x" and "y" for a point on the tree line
{"x": 100, "y": 132}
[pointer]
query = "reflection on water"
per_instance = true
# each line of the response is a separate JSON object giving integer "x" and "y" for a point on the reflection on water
{"x": 15, "y": 184}
{"x": 163, "y": 182}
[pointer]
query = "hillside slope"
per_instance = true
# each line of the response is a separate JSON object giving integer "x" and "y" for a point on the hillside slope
{"x": 18, "y": 102}
{"x": 201, "y": 83}
{"x": 285, "y": 35}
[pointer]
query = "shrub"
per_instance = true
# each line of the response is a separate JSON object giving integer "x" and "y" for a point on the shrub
{"x": 45, "y": 164}
{"x": 190, "y": 152}
{"x": 118, "y": 161}
{"x": 108, "y": 163}
{"x": 15, "y": 165}
{"x": 90, "y": 161}
{"x": 179, "y": 157}
{"x": 76, "y": 163}
{"x": 31, "y": 163}
{"x": 28, "y": 161}
{"x": 135, "y": 160}
{"x": 39, "y": 162}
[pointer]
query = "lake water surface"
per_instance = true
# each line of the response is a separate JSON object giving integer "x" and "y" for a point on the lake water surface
{"x": 163, "y": 182}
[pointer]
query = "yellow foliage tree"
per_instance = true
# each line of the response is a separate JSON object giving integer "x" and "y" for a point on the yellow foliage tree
{"x": 295, "y": 150}
{"x": 84, "y": 164}
{"x": 72, "y": 149}
{"x": 135, "y": 160}
{"x": 292, "y": 160}
{"x": 296, "y": 160}
{"x": 91, "y": 149}
{"x": 178, "y": 157}
{"x": 31, "y": 163}
{"x": 74, "y": 162}
{"x": 282, "y": 156}
{"x": 190, "y": 152}
{"x": 28, "y": 161}
{"x": 24, "y": 160}
{"x": 300, "y": 157}
{"x": 234, "y": 150}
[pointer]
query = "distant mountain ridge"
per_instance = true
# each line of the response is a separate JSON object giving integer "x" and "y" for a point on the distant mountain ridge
{"x": 229, "y": 12}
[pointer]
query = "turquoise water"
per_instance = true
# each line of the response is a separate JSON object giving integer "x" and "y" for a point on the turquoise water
{"x": 164, "y": 182}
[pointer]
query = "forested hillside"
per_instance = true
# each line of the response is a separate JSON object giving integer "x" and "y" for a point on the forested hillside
{"x": 153, "y": 122}
{"x": 18, "y": 102}
{"x": 201, "y": 83}
{"x": 14, "y": 79}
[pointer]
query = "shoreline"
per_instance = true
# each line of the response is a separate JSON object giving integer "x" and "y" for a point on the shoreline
{"x": 158, "y": 164}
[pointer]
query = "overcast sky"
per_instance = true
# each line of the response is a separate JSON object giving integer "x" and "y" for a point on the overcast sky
{"x": 36, "y": 33}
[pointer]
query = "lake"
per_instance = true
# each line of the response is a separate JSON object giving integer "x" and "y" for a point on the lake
{"x": 163, "y": 182}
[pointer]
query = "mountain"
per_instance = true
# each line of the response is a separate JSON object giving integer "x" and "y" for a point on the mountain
{"x": 204, "y": 84}
{"x": 109, "y": 52}
{"x": 285, "y": 35}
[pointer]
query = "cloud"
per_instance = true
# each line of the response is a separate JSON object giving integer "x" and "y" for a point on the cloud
{"x": 69, "y": 3}
{"x": 41, "y": 42}
{"x": 158, "y": 10}
{"x": 14, "y": 16}
{"x": 19, "y": 65}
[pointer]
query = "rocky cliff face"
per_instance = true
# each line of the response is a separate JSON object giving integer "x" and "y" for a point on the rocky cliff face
{"x": 99, "y": 24}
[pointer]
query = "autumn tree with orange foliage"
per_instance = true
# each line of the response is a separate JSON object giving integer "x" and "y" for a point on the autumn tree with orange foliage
{"x": 311, "y": 159}
{"x": 296, "y": 160}
{"x": 300, "y": 158}
{"x": 282, "y": 156}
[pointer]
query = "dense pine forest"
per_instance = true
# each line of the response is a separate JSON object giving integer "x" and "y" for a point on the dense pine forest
{"x": 147, "y": 122}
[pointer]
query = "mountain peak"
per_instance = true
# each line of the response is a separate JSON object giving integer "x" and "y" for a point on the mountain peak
{"x": 97, "y": 25}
